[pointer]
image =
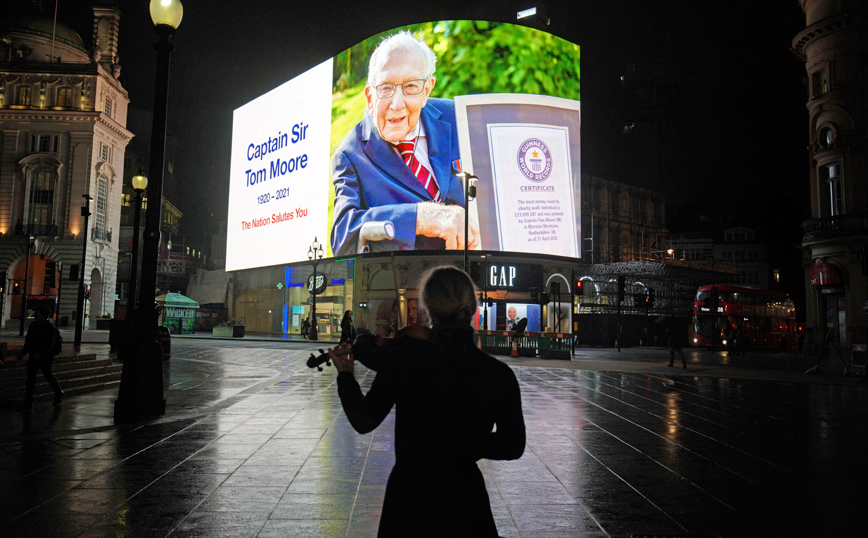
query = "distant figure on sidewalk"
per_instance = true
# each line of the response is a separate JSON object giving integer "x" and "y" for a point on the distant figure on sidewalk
{"x": 737, "y": 337}
{"x": 348, "y": 332}
{"x": 455, "y": 406}
{"x": 728, "y": 337}
{"x": 676, "y": 336}
{"x": 305, "y": 327}
{"x": 39, "y": 343}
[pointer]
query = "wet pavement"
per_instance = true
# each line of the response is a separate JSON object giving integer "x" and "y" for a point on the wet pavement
{"x": 255, "y": 444}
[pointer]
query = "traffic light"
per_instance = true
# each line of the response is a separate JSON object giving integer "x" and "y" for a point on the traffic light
{"x": 649, "y": 300}
{"x": 580, "y": 287}
{"x": 622, "y": 288}
{"x": 16, "y": 288}
{"x": 545, "y": 298}
{"x": 86, "y": 294}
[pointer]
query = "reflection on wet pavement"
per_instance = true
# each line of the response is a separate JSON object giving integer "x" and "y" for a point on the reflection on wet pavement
{"x": 258, "y": 446}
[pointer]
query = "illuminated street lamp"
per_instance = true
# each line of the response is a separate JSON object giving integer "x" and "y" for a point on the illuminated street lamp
{"x": 79, "y": 302}
{"x": 314, "y": 254}
{"x": 30, "y": 240}
{"x": 141, "y": 391}
{"x": 140, "y": 183}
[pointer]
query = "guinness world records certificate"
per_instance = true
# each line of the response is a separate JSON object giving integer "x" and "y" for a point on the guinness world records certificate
{"x": 525, "y": 149}
{"x": 533, "y": 188}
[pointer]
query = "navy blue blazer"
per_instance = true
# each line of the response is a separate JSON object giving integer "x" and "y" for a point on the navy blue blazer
{"x": 372, "y": 183}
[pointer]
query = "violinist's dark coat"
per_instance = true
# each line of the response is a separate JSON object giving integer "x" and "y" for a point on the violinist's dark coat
{"x": 449, "y": 396}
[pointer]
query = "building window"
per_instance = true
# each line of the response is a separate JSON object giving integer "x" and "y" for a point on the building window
{"x": 830, "y": 175}
{"x": 40, "y": 196}
{"x": 104, "y": 152}
{"x": 101, "y": 205}
{"x": 108, "y": 107}
{"x": 24, "y": 95}
{"x": 819, "y": 83}
{"x": 777, "y": 275}
{"x": 44, "y": 143}
{"x": 64, "y": 97}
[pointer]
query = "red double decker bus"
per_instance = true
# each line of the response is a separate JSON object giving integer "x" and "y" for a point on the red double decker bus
{"x": 766, "y": 319}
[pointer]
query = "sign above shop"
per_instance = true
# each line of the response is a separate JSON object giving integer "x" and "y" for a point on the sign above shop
{"x": 509, "y": 276}
{"x": 321, "y": 284}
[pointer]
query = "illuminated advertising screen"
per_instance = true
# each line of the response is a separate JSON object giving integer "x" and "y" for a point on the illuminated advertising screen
{"x": 369, "y": 151}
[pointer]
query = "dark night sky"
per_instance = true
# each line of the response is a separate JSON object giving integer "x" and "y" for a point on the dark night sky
{"x": 741, "y": 107}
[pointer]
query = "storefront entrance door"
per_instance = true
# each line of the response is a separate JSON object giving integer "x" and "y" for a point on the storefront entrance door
{"x": 835, "y": 322}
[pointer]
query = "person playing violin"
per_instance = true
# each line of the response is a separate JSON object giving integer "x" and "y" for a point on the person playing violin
{"x": 455, "y": 405}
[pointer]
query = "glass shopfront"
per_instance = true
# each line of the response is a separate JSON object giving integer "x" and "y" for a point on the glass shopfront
{"x": 277, "y": 300}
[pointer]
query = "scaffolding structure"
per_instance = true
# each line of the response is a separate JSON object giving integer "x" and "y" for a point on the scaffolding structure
{"x": 674, "y": 284}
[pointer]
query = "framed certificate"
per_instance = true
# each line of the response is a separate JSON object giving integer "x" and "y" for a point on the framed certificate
{"x": 525, "y": 150}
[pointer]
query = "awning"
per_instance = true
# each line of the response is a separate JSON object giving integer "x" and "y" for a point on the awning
{"x": 176, "y": 299}
{"x": 824, "y": 274}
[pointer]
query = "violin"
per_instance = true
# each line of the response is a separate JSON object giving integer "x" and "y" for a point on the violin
{"x": 371, "y": 350}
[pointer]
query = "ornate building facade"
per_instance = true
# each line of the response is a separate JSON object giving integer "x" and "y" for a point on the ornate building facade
{"x": 63, "y": 134}
{"x": 622, "y": 223}
{"x": 836, "y": 237}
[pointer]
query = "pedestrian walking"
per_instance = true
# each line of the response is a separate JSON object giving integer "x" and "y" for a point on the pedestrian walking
{"x": 348, "y": 332}
{"x": 40, "y": 345}
{"x": 676, "y": 336}
{"x": 737, "y": 338}
{"x": 456, "y": 405}
{"x": 727, "y": 335}
{"x": 305, "y": 327}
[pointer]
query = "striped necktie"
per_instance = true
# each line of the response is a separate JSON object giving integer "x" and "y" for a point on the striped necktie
{"x": 406, "y": 149}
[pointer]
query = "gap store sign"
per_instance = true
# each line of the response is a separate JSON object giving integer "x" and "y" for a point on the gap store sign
{"x": 510, "y": 276}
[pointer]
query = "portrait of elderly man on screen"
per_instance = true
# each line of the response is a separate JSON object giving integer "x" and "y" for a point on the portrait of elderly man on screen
{"x": 394, "y": 185}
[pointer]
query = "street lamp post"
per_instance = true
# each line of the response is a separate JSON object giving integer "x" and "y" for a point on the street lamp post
{"x": 140, "y": 183}
{"x": 469, "y": 192}
{"x": 26, "y": 283}
{"x": 141, "y": 391}
{"x": 166, "y": 15}
{"x": 314, "y": 254}
{"x": 79, "y": 303}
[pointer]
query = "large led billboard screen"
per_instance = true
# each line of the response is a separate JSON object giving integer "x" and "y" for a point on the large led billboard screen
{"x": 367, "y": 150}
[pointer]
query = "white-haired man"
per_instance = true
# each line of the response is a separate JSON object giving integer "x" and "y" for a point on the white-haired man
{"x": 395, "y": 166}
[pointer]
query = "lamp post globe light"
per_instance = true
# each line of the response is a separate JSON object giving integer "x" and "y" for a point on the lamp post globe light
{"x": 314, "y": 254}
{"x": 140, "y": 183}
{"x": 141, "y": 391}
